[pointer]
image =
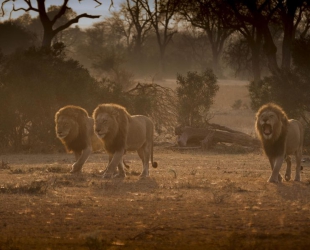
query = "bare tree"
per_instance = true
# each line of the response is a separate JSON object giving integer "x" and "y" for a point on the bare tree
{"x": 291, "y": 12}
{"x": 207, "y": 15}
{"x": 141, "y": 23}
{"x": 48, "y": 23}
{"x": 196, "y": 41}
{"x": 161, "y": 15}
{"x": 254, "y": 18}
{"x": 251, "y": 19}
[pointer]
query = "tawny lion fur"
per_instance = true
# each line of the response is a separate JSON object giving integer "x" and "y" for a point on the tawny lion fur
{"x": 75, "y": 130}
{"x": 121, "y": 132}
{"x": 280, "y": 138}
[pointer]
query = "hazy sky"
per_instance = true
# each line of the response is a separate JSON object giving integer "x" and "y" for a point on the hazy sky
{"x": 84, "y": 6}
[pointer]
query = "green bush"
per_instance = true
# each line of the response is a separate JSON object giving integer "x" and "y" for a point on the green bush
{"x": 286, "y": 89}
{"x": 34, "y": 85}
{"x": 289, "y": 88}
{"x": 195, "y": 93}
{"x": 13, "y": 36}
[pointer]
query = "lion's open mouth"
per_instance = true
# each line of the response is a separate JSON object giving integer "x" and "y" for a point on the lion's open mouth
{"x": 267, "y": 129}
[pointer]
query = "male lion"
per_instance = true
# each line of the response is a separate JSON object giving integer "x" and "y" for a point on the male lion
{"x": 280, "y": 138}
{"x": 120, "y": 132}
{"x": 75, "y": 130}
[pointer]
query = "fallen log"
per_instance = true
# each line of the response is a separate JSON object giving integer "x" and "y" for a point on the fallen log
{"x": 213, "y": 134}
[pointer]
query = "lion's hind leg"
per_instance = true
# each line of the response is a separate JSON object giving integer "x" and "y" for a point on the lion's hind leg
{"x": 298, "y": 156}
{"x": 121, "y": 170}
{"x": 145, "y": 157}
{"x": 288, "y": 172}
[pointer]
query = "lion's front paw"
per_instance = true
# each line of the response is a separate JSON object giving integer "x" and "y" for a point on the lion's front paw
{"x": 280, "y": 178}
{"x": 287, "y": 177}
{"x": 107, "y": 175}
{"x": 119, "y": 175}
{"x": 76, "y": 168}
{"x": 273, "y": 180}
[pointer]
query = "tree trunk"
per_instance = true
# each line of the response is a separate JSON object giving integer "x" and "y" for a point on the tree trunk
{"x": 47, "y": 38}
{"x": 256, "y": 50}
{"x": 208, "y": 137}
{"x": 269, "y": 48}
{"x": 288, "y": 25}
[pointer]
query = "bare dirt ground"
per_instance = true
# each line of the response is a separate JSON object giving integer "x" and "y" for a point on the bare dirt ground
{"x": 218, "y": 199}
{"x": 193, "y": 200}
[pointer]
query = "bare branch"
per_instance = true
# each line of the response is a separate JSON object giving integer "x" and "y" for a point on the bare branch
{"x": 2, "y": 6}
{"x": 74, "y": 20}
{"x": 61, "y": 12}
{"x": 28, "y": 2}
{"x": 99, "y": 3}
{"x": 111, "y": 5}
{"x": 30, "y": 7}
{"x": 163, "y": 100}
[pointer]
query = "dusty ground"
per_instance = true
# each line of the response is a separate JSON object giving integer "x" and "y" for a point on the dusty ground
{"x": 194, "y": 200}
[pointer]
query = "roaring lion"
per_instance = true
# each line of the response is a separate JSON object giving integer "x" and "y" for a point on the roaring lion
{"x": 280, "y": 138}
{"x": 121, "y": 132}
{"x": 75, "y": 130}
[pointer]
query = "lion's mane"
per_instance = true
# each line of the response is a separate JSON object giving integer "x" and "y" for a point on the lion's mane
{"x": 77, "y": 138}
{"x": 118, "y": 138}
{"x": 276, "y": 145}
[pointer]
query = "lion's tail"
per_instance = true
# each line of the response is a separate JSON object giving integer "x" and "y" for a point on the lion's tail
{"x": 154, "y": 163}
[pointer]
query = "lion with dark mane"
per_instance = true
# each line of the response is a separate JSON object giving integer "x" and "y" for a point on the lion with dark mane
{"x": 280, "y": 137}
{"x": 121, "y": 132}
{"x": 75, "y": 130}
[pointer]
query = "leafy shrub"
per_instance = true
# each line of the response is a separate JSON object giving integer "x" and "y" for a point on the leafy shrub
{"x": 34, "y": 85}
{"x": 286, "y": 88}
{"x": 14, "y": 37}
{"x": 195, "y": 92}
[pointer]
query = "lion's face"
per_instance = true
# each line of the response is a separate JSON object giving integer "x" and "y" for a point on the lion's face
{"x": 269, "y": 123}
{"x": 105, "y": 125}
{"x": 64, "y": 126}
